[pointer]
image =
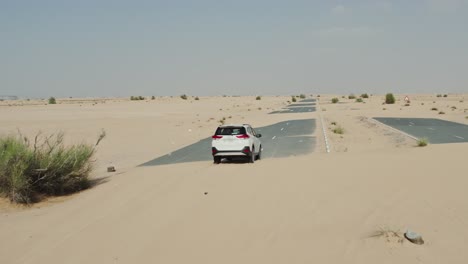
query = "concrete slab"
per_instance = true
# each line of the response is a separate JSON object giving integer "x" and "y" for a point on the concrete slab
{"x": 284, "y": 139}
{"x": 437, "y": 131}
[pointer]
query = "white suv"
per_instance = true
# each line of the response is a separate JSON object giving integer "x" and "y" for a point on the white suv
{"x": 236, "y": 141}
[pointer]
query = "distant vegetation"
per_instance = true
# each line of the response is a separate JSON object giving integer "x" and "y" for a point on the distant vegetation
{"x": 184, "y": 97}
{"x": 258, "y": 98}
{"x": 152, "y": 97}
{"x": 137, "y": 98}
{"x": 338, "y": 130}
{"x": 52, "y": 100}
{"x": 302, "y": 96}
{"x": 359, "y": 100}
{"x": 293, "y": 99}
{"x": 335, "y": 100}
{"x": 45, "y": 166}
{"x": 364, "y": 95}
{"x": 434, "y": 109}
{"x": 422, "y": 142}
{"x": 196, "y": 98}
{"x": 389, "y": 98}
{"x": 351, "y": 96}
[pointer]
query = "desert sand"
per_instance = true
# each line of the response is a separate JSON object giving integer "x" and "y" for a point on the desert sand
{"x": 351, "y": 205}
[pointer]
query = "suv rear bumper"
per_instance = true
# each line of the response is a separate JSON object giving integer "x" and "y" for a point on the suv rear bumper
{"x": 244, "y": 152}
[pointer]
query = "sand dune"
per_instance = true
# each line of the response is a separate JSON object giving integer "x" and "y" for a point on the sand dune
{"x": 321, "y": 207}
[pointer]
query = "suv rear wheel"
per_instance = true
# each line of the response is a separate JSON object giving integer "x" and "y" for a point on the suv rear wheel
{"x": 252, "y": 155}
{"x": 259, "y": 155}
{"x": 217, "y": 160}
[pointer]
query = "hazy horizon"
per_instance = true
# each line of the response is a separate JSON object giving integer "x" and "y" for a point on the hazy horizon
{"x": 203, "y": 48}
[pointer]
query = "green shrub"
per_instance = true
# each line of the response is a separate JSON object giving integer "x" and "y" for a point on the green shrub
{"x": 184, "y": 97}
{"x": 302, "y": 96}
{"x": 359, "y": 100}
{"x": 434, "y": 109}
{"x": 258, "y": 98}
{"x": 293, "y": 99}
{"x": 335, "y": 100}
{"x": 439, "y": 95}
{"x": 152, "y": 97}
{"x": 351, "y": 96}
{"x": 422, "y": 142}
{"x": 52, "y": 100}
{"x": 44, "y": 167}
{"x": 364, "y": 95}
{"x": 445, "y": 95}
{"x": 441, "y": 113}
{"x": 389, "y": 98}
{"x": 338, "y": 130}
{"x": 136, "y": 98}
{"x": 196, "y": 98}
{"x": 333, "y": 123}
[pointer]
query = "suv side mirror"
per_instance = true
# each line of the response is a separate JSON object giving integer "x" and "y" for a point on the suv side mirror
{"x": 259, "y": 135}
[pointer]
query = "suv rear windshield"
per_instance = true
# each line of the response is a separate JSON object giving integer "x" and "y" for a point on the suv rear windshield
{"x": 226, "y": 131}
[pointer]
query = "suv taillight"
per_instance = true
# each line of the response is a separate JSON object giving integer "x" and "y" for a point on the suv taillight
{"x": 217, "y": 137}
{"x": 244, "y": 136}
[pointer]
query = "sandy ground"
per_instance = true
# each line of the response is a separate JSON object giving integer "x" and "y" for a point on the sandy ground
{"x": 347, "y": 206}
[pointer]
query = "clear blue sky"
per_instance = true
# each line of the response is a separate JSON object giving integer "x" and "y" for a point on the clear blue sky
{"x": 243, "y": 47}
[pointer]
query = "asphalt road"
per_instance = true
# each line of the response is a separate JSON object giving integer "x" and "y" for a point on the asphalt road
{"x": 304, "y": 106}
{"x": 282, "y": 139}
{"x": 437, "y": 131}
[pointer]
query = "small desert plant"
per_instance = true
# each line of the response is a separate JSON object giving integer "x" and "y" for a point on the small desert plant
{"x": 222, "y": 121}
{"x": 52, "y": 100}
{"x": 258, "y": 98}
{"x": 302, "y": 96}
{"x": 293, "y": 99}
{"x": 335, "y": 100}
{"x": 453, "y": 107}
{"x": 466, "y": 117}
{"x": 196, "y": 98}
{"x": 136, "y": 98}
{"x": 422, "y": 142}
{"x": 439, "y": 95}
{"x": 184, "y": 97}
{"x": 407, "y": 104}
{"x": 351, "y": 96}
{"x": 359, "y": 100}
{"x": 441, "y": 113}
{"x": 153, "y": 97}
{"x": 333, "y": 123}
{"x": 364, "y": 95}
{"x": 445, "y": 95}
{"x": 43, "y": 167}
{"x": 434, "y": 109}
{"x": 389, "y": 98}
{"x": 338, "y": 130}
